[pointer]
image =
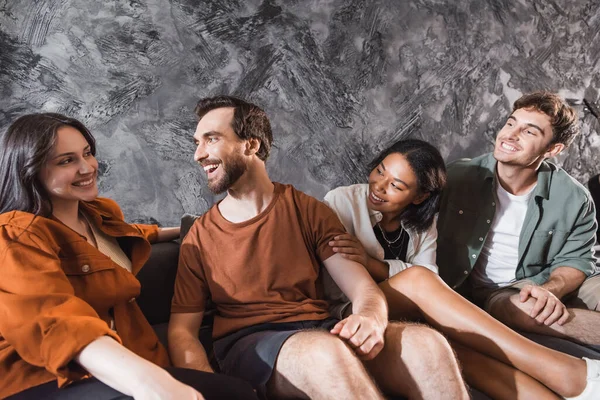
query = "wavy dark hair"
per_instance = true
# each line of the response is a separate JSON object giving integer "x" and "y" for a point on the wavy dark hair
{"x": 429, "y": 168}
{"x": 249, "y": 120}
{"x": 24, "y": 149}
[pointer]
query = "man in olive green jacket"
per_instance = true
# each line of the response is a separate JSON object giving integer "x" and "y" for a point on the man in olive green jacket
{"x": 516, "y": 233}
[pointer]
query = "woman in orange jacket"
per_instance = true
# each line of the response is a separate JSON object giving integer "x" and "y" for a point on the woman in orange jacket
{"x": 69, "y": 323}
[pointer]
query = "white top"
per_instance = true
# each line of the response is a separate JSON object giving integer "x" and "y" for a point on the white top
{"x": 350, "y": 205}
{"x": 109, "y": 246}
{"x": 497, "y": 263}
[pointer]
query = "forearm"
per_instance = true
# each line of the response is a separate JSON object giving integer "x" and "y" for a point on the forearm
{"x": 356, "y": 283}
{"x": 187, "y": 352}
{"x": 564, "y": 280}
{"x": 116, "y": 366}
{"x": 370, "y": 301}
{"x": 379, "y": 270}
{"x": 167, "y": 234}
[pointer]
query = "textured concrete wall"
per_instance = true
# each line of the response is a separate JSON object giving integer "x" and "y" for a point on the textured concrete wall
{"x": 340, "y": 79}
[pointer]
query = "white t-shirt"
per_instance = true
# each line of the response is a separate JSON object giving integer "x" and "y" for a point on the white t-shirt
{"x": 497, "y": 263}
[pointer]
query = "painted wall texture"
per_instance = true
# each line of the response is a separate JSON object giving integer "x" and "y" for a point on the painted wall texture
{"x": 340, "y": 80}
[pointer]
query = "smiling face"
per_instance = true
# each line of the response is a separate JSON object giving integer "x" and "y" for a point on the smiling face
{"x": 393, "y": 186}
{"x": 525, "y": 139}
{"x": 70, "y": 172}
{"x": 219, "y": 150}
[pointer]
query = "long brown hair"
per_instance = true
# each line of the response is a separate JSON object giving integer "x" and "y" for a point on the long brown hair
{"x": 24, "y": 149}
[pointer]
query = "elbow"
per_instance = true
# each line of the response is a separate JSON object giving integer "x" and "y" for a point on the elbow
{"x": 180, "y": 339}
{"x": 174, "y": 338}
{"x": 175, "y": 335}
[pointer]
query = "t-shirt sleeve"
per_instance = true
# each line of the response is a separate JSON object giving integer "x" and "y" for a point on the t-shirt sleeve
{"x": 191, "y": 291}
{"x": 323, "y": 225}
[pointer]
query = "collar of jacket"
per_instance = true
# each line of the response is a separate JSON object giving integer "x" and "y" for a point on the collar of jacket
{"x": 104, "y": 220}
{"x": 544, "y": 175}
{"x": 377, "y": 216}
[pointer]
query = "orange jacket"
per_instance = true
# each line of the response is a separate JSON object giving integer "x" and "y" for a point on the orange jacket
{"x": 57, "y": 294}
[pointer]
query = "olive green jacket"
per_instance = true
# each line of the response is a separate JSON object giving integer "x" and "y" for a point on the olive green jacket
{"x": 559, "y": 227}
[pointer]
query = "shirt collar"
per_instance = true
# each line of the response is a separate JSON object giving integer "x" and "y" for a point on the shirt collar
{"x": 375, "y": 217}
{"x": 544, "y": 175}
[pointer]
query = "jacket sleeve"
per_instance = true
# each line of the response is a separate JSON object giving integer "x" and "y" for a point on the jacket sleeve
{"x": 150, "y": 232}
{"x": 341, "y": 207}
{"x": 40, "y": 316}
{"x": 578, "y": 250}
{"x": 425, "y": 253}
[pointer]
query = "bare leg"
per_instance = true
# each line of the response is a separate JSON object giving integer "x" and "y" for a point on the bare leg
{"x": 417, "y": 362}
{"x": 467, "y": 324}
{"x": 498, "y": 380}
{"x": 583, "y": 326}
{"x": 319, "y": 365}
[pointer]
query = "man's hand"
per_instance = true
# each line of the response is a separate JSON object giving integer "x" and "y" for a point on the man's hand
{"x": 548, "y": 308}
{"x": 350, "y": 247}
{"x": 364, "y": 334}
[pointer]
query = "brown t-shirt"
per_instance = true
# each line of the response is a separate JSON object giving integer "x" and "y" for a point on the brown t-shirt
{"x": 262, "y": 270}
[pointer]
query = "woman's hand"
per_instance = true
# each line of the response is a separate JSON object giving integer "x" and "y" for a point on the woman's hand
{"x": 350, "y": 247}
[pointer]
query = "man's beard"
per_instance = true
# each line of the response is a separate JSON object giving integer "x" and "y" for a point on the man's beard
{"x": 233, "y": 168}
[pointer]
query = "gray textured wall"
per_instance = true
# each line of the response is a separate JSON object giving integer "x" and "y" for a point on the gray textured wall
{"x": 340, "y": 80}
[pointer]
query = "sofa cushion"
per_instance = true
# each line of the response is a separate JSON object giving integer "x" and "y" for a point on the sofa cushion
{"x": 186, "y": 223}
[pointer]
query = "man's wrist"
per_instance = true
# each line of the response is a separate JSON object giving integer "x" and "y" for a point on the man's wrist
{"x": 379, "y": 316}
{"x": 554, "y": 287}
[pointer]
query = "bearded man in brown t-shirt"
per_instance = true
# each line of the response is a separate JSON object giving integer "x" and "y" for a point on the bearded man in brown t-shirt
{"x": 257, "y": 255}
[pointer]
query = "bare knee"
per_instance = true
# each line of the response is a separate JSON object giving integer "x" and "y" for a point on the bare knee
{"x": 429, "y": 340}
{"x": 414, "y": 281}
{"x": 318, "y": 351}
{"x": 425, "y": 342}
{"x": 312, "y": 361}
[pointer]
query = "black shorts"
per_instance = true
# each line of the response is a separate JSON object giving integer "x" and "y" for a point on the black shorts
{"x": 250, "y": 353}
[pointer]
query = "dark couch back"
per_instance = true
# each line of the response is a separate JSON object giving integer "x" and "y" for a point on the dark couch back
{"x": 158, "y": 281}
